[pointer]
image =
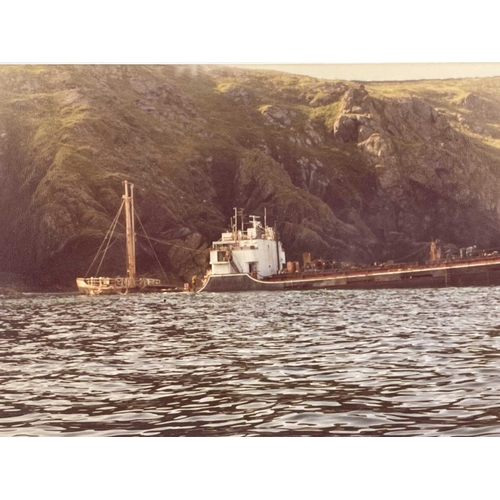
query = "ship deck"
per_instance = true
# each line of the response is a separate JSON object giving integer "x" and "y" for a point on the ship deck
{"x": 481, "y": 271}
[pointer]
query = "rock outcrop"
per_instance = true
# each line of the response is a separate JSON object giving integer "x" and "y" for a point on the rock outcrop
{"x": 348, "y": 172}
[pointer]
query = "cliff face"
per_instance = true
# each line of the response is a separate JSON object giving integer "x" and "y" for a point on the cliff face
{"x": 350, "y": 172}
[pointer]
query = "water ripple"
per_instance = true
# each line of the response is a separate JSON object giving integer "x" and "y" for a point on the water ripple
{"x": 328, "y": 363}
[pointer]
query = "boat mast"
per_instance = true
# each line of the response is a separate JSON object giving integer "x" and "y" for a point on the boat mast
{"x": 129, "y": 228}
{"x": 235, "y": 225}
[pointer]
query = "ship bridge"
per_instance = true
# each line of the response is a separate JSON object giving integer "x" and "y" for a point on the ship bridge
{"x": 255, "y": 251}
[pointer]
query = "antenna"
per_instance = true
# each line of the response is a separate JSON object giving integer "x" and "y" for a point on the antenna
{"x": 234, "y": 222}
{"x": 255, "y": 219}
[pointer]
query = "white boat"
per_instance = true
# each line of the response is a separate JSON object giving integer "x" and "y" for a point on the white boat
{"x": 254, "y": 260}
{"x": 130, "y": 283}
{"x": 242, "y": 260}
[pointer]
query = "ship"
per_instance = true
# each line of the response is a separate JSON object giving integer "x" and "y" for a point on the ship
{"x": 131, "y": 283}
{"x": 254, "y": 260}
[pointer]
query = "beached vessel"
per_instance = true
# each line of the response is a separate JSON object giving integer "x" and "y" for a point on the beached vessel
{"x": 131, "y": 283}
{"x": 255, "y": 260}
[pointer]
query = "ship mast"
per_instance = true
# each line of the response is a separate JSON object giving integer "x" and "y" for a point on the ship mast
{"x": 129, "y": 228}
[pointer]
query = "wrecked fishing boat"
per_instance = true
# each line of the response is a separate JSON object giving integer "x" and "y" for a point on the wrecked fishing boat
{"x": 131, "y": 283}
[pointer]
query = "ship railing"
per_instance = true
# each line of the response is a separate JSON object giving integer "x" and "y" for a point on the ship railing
{"x": 99, "y": 281}
{"x": 354, "y": 271}
{"x": 150, "y": 281}
{"x": 242, "y": 236}
{"x": 367, "y": 271}
{"x": 461, "y": 261}
{"x": 121, "y": 282}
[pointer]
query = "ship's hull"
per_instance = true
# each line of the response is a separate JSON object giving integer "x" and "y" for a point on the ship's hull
{"x": 238, "y": 283}
{"x": 479, "y": 272}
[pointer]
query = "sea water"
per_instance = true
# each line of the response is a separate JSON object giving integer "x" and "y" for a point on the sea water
{"x": 320, "y": 363}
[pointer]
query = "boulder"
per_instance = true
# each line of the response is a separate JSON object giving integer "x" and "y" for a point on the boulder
{"x": 345, "y": 129}
{"x": 237, "y": 94}
{"x": 276, "y": 115}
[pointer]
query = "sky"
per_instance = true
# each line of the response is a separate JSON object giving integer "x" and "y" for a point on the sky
{"x": 385, "y": 71}
{"x": 329, "y": 39}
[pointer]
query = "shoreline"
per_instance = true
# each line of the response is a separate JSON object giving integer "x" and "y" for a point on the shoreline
{"x": 21, "y": 290}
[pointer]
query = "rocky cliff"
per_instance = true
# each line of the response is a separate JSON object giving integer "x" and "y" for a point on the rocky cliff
{"x": 350, "y": 172}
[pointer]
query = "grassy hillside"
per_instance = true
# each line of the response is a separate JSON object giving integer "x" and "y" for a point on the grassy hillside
{"x": 351, "y": 172}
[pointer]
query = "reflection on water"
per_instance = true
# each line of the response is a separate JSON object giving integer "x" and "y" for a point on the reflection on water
{"x": 326, "y": 363}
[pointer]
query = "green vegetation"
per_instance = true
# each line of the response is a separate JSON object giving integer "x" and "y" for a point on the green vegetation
{"x": 197, "y": 141}
{"x": 327, "y": 114}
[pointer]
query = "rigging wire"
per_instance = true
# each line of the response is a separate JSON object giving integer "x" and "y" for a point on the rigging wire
{"x": 110, "y": 233}
{"x": 113, "y": 230}
{"x": 165, "y": 242}
{"x": 109, "y": 246}
{"x": 173, "y": 244}
{"x": 154, "y": 253}
{"x": 413, "y": 253}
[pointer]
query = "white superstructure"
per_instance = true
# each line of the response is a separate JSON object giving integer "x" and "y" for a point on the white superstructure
{"x": 255, "y": 251}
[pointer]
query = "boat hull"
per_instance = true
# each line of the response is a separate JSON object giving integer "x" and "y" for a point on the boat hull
{"x": 121, "y": 286}
{"x": 238, "y": 283}
{"x": 485, "y": 272}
